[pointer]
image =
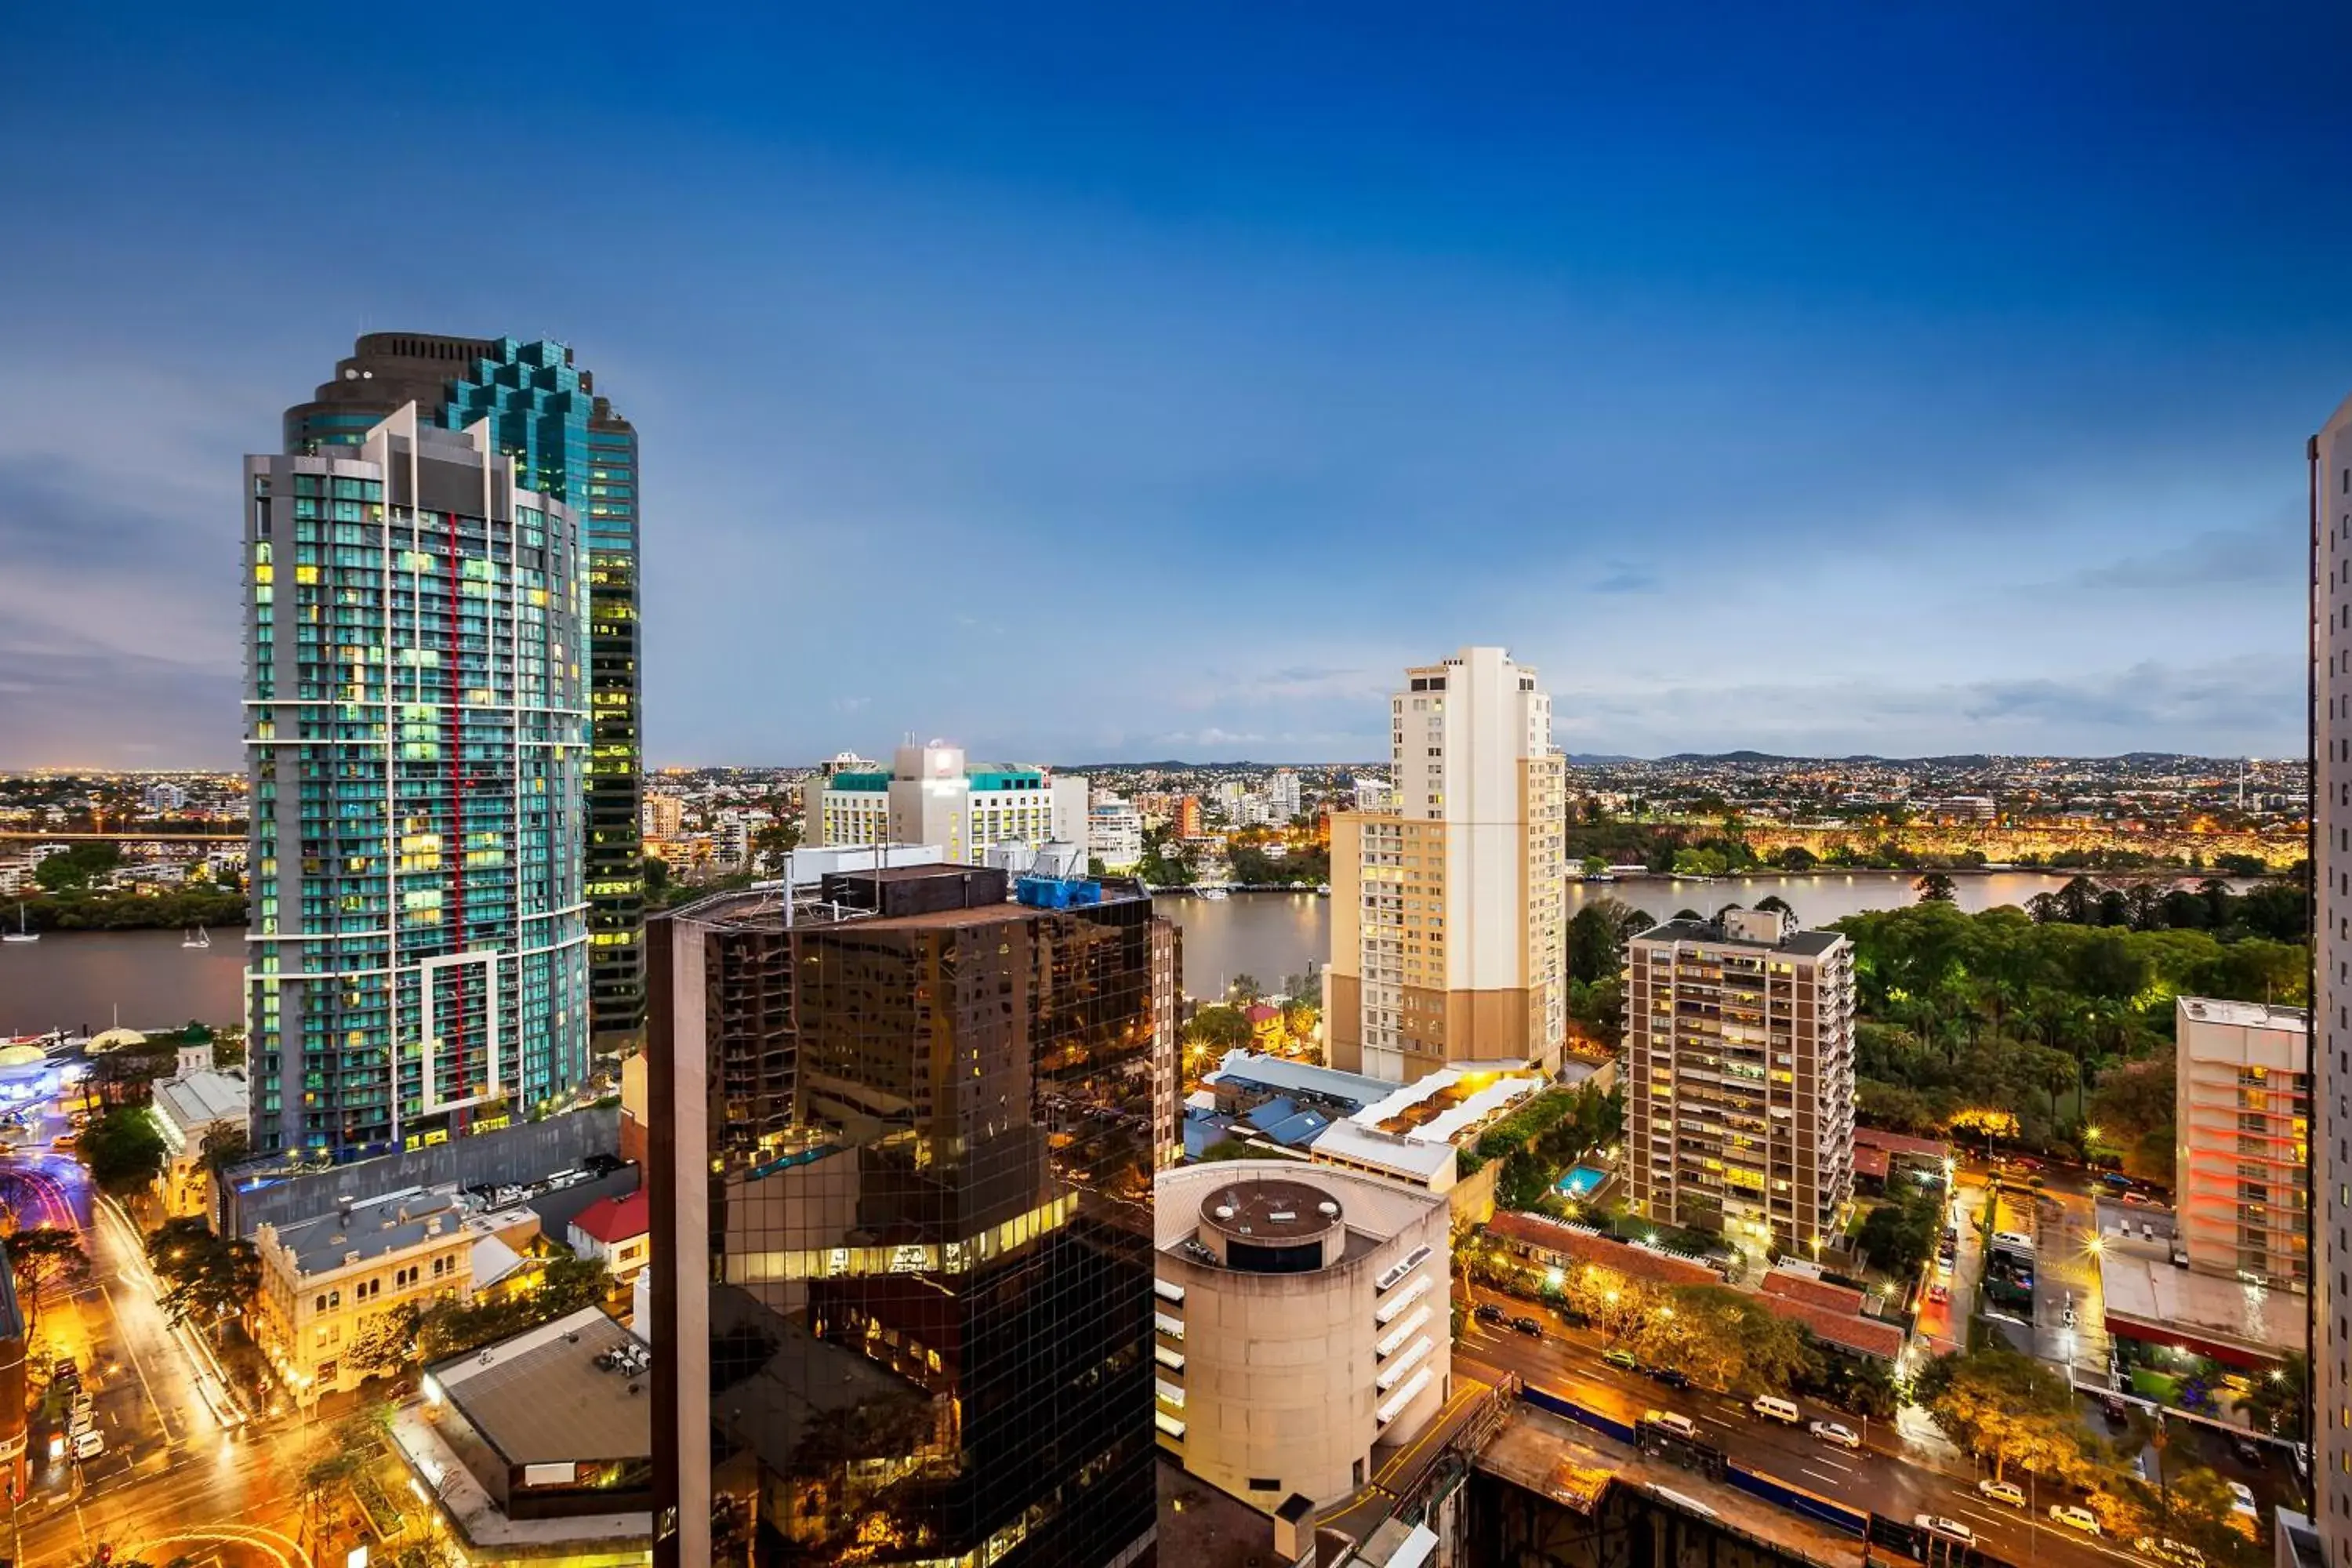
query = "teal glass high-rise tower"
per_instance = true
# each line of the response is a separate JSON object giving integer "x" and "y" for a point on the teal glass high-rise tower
{"x": 566, "y": 444}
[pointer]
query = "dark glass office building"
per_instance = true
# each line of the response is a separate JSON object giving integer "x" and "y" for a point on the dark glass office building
{"x": 903, "y": 1133}
{"x": 567, "y": 444}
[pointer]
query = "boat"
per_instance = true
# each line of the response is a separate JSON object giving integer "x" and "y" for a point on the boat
{"x": 197, "y": 937}
{"x": 1216, "y": 895}
{"x": 23, "y": 933}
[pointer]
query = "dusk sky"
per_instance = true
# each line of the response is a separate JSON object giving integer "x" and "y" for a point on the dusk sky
{"x": 1905, "y": 378}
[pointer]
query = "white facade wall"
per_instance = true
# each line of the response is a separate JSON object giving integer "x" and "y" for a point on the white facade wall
{"x": 1115, "y": 834}
{"x": 930, "y": 799}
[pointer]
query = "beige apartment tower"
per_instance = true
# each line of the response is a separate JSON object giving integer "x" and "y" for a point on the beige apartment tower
{"x": 1445, "y": 907}
{"x": 1739, "y": 1078}
{"x": 2330, "y": 457}
{"x": 2242, "y": 1166}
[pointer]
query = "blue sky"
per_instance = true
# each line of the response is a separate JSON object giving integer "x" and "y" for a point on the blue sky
{"x": 1084, "y": 387}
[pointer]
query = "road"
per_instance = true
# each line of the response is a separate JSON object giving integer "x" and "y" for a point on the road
{"x": 1892, "y": 1475}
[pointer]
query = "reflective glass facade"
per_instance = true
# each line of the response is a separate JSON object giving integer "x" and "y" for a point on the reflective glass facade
{"x": 415, "y": 718}
{"x": 906, "y": 1176}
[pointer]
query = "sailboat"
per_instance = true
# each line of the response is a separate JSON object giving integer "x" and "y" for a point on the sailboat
{"x": 23, "y": 933}
{"x": 197, "y": 937}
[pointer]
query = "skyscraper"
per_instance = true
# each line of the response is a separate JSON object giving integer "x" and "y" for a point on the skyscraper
{"x": 1739, "y": 1078}
{"x": 1445, "y": 908}
{"x": 569, "y": 446}
{"x": 415, "y": 718}
{"x": 2330, "y": 457}
{"x": 903, "y": 1141}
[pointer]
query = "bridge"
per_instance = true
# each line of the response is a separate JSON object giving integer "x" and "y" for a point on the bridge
{"x": 28, "y": 836}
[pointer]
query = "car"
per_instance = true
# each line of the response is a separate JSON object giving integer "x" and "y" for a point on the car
{"x": 1672, "y": 1421}
{"x": 2008, "y": 1492}
{"x": 65, "y": 1141}
{"x": 1939, "y": 1294}
{"x": 2037, "y": 1182}
{"x": 2247, "y": 1451}
{"x": 1950, "y": 1529}
{"x": 1843, "y": 1436}
{"x": 88, "y": 1445}
{"x": 2141, "y": 1201}
{"x": 1621, "y": 1357}
{"x": 2016, "y": 1238}
{"x": 80, "y": 1422}
{"x": 1672, "y": 1376}
{"x": 1528, "y": 1326}
{"x": 2118, "y": 1413}
{"x": 2303, "y": 1461}
{"x": 2164, "y": 1549}
{"x": 2075, "y": 1516}
{"x": 1487, "y": 1312}
{"x": 2242, "y": 1499}
{"x": 2117, "y": 1179}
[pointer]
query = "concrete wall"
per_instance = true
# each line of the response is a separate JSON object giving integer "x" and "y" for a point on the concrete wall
{"x": 511, "y": 1154}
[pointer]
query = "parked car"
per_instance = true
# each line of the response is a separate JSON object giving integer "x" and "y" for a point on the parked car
{"x": 1528, "y": 1326}
{"x": 1620, "y": 1357}
{"x": 89, "y": 1444}
{"x": 1835, "y": 1432}
{"x": 2116, "y": 1180}
{"x": 2242, "y": 1500}
{"x": 2008, "y": 1492}
{"x": 1672, "y": 1421}
{"x": 2247, "y": 1449}
{"x": 2075, "y": 1516}
{"x": 1487, "y": 1312}
{"x": 1950, "y": 1529}
{"x": 1939, "y": 1294}
{"x": 2118, "y": 1413}
{"x": 2141, "y": 1201}
{"x": 1672, "y": 1376}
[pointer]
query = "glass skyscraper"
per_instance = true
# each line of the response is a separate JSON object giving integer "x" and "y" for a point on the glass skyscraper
{"x": 903, "y": 1139}
{"x": 569, "y": 446}
{"x": 416, "y": 733}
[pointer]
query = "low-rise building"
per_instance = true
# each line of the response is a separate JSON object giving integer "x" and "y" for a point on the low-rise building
{"x": 931, "y": 796}
{"x": 1115, "y": 834}
{"x": 614, "y": 1231}
{"x": 326, "y": 1281}
{"x": 196, "y": 1103}
{"x": 2241, "y": 1176}
{"x": 1300, "y": 1321}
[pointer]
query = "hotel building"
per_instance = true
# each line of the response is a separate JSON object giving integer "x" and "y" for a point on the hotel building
{"x": 931, "y": 796}
{"x": 416, "y": 725}
{"x": 1446, "y": 942}
{"x": 1739, "y": 1078}
{"x": 903, "y": 1135}
{"x": 2243, "y": 1163}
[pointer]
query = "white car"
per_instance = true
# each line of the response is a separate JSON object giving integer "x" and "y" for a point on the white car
{"x": 2008, "y": 1492}
{"x": 88, "y": 1445}
{"x": 2242, "y": 1499}
{"x": 1834, "y": 1432}
{"x": 1674, "y": 1421}
{"x": 2076, "y": 1516}
{"x": 1950, "y": 1529}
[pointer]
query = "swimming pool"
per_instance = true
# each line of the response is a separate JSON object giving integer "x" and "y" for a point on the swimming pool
{"x": 1580, "y": 1180}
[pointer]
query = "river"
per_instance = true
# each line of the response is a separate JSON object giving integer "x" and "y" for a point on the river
{"x": 72, "y": 978}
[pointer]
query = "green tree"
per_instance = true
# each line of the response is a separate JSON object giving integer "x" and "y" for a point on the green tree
{"x": 44, "y": 1257}
{"x": 1935, "y": 888}
{"x": 212, "y": 1277}
{"x": 2007, "y": 1408}
{"x": 2133, "y": 1106}
{"x": 1728, "y": 1338}
{"x": 72, "y": 870}
{"x": 2280, "y": 1400}
{"x": 124, "y": 1149}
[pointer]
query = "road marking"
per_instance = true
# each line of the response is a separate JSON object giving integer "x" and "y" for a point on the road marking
{"x": 1833, "y": 1464}
{"x": 1716, "y": 1419}
{"x": 1833, "y": 1480}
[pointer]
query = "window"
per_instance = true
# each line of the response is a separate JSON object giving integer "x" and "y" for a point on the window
{"x": 1262, "y": 1484}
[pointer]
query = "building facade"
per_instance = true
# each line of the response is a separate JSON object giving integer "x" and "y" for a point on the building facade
{"x": 1447, "y": 938}
{"x": 2330, "y": 457}
{"x": 197, "y": 1103}
{"x": 1300, "y": 1319}
{"x": 931, "y": 795}
{"x": 903, "y": 1135}
{"x": 1740, "y": 1079}
{"x": 568, "y": 445}
{"x": 415, "y": 723}
{"x": 1115, "y": 834}
{"x": 2243, "y": 1166}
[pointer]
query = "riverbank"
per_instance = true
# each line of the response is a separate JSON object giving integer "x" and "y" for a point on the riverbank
{"x": 175, "y": 910}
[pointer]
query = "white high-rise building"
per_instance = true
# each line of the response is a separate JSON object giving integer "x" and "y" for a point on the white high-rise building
{"x": 931, "y": 796}
{"x": 2330, "y": 455}
{"x": 1282, "y": 796}
{"x": 1445, "y": 909}
{"x": 1115, "y": 833}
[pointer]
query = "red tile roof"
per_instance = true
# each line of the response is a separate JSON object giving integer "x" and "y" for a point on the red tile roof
{"x": 1586, "y": 1246}
{"x": 1901, "y": 1143}
{"x": 1864, "y": 1336}
{"x": 1820, "y": 1293}
{"x": 615, "y": 1220}
{"x": 1868, "y": 1162}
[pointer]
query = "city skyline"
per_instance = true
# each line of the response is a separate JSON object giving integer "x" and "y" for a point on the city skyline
{"x": 1981, "y": 332}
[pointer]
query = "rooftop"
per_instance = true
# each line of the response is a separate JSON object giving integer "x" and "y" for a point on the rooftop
{"x": 1300, "y": 1078}
{"x": 201, "y": 1098}
{"x": 1270, "y": 1209}
{"x": 1375, "y": 1209}
{"x": 1371, "y": 1146}
{"x": 612, "y": 1220}
{"x": 1588, "y": 1245}
{"x": 2152, "y": 1298}
{"x": 542, "y": 1397}
{"x": 2246, "y": 1015}
{"x": 1902, "y": 1143}
{"x": 1803, "y": 943}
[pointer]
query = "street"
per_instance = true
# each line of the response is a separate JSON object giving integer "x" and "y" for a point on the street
{"x": 1897, "y": 1473}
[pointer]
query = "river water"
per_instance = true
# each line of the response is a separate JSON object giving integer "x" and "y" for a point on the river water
{"x": 73, "y": 978}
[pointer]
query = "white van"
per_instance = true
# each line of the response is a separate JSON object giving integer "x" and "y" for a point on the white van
{"x": 1774, "y": 1407}
{"x": 1674, "y": 1421}
{"x": 2013, "y": 1238}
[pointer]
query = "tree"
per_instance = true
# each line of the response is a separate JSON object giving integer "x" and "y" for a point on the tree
{"x": 224, "y": 1145}
{"x": 1796, "y": 858}
{"x": 125, "y": 1150}
{"x": 386, "y": 1341}
{"x": 1245, "y": 989}
{"x": 2279, "y": 1400}
{"x": 1935, "y": 888}
{"x": 2008, "y": 1408}
{"x": 1218, "y": 1027}
{"x": 657, "y": 875}
{"x": 2134, "y": 1107}
{"x": 1728, "y": 1338}
{"x": 1900, "y": 1236}
{"x": 211, "y": 1278}
{"x": 42, "y": 1256}
{"x": 72, "y": 870}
